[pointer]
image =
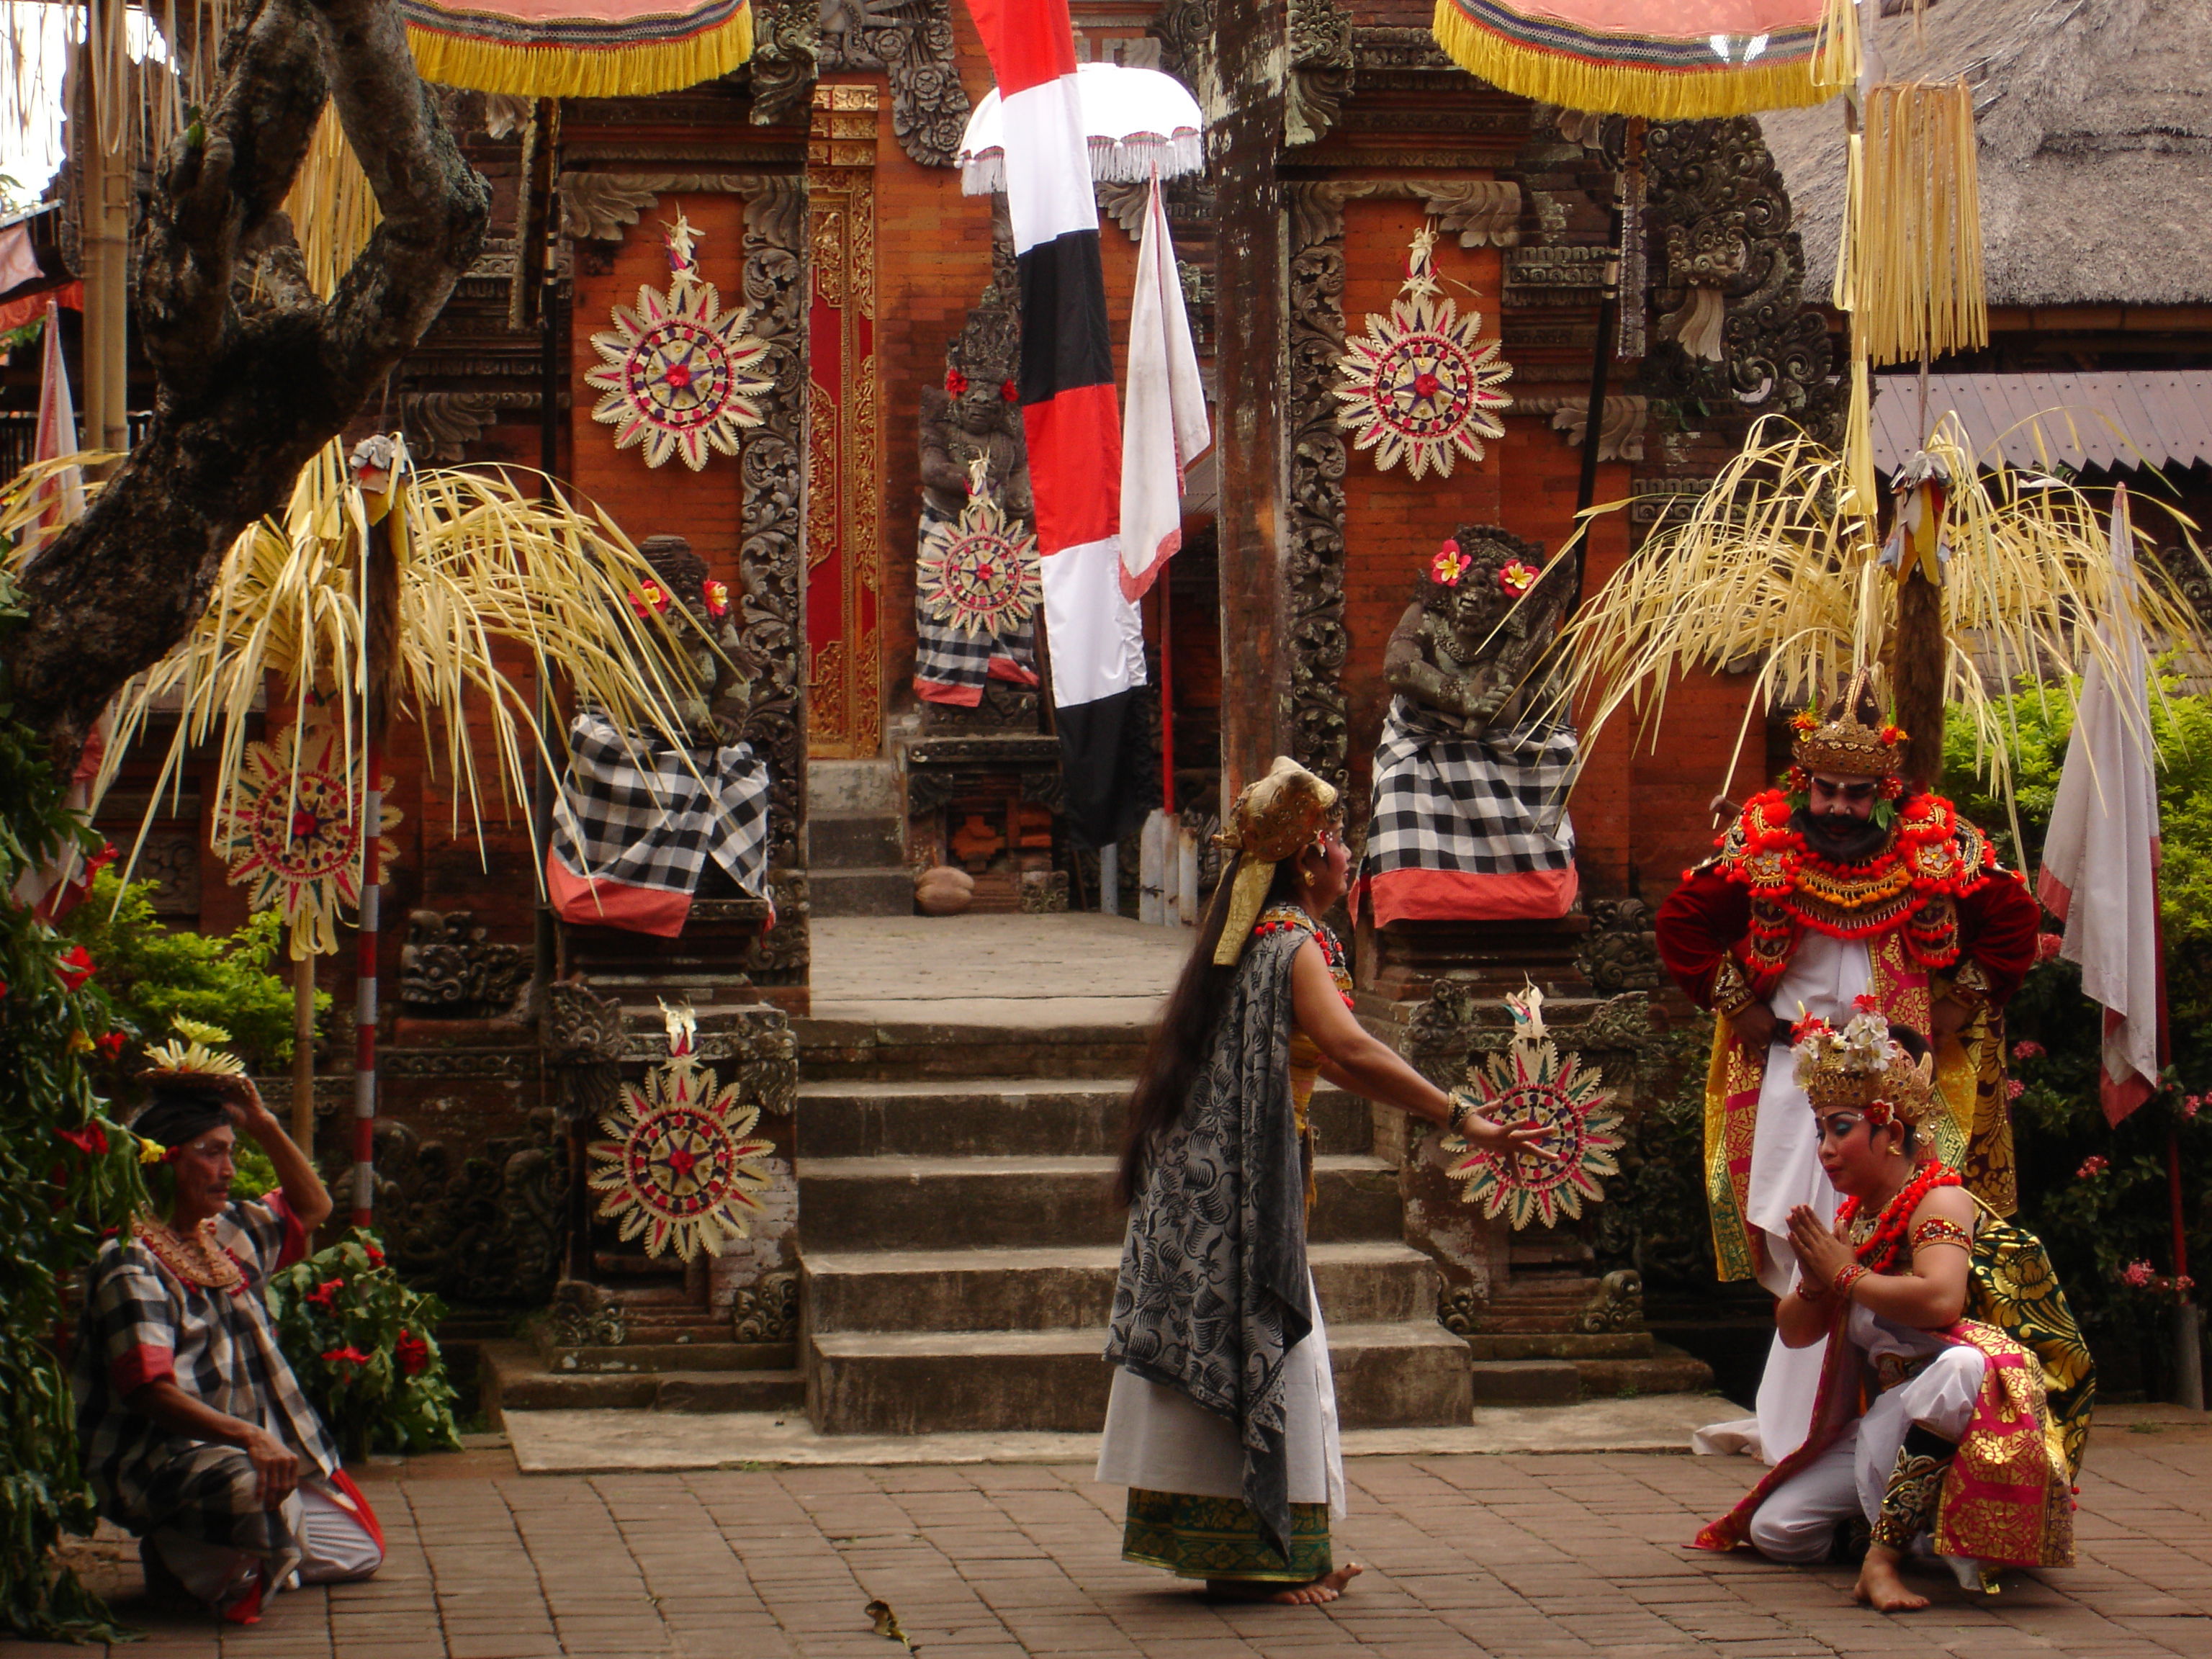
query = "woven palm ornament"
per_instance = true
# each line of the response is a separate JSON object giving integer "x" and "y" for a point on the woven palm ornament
{"x": 1418, "y": 388}
{"x": 1531, "y": 1081}
{"x": 679, "y": 375}
{"x": 292, "y": 831}
{"x": 679, "y": 1167}
{"x": 979, "y": 573}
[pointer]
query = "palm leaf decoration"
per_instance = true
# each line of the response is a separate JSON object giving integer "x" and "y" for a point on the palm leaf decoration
{"x": 1776, "y": 570}
{"x": 499, "y": 590}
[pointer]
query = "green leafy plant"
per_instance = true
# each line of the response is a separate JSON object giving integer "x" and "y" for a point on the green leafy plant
{"x": 67, "y": 1174}
{"x": 155, "y": 973}
{"x": 2099, "y": 1196}
{"x": 365, "y": 1350}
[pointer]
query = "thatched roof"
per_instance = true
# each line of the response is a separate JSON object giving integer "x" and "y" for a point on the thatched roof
{"x": 2095, "y": 125}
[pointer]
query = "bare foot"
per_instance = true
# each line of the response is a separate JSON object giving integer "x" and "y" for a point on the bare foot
{"x": 1880, "y": 1587}
{"x": 1325, "y": 1589}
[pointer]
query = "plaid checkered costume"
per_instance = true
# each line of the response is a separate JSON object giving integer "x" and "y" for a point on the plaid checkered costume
{"x": 143, "y": 1323}
{"x": 1490, "y": 804}
{"x": 950, "y": 664}
{"x": 633, "y": 814}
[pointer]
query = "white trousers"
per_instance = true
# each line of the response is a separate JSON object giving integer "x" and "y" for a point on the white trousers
{"x": 333, "y": 1547}
{"x": 1160, "y": 1439}
{"x": 1797, "y": 1522}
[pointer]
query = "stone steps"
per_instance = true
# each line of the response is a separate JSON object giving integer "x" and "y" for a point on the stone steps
{"x": 1045, "y": 1117}
{"x": 927, "y": 1054}
{"x": 1027, "y": 1288}
{"x": 514, "y": 1376}
{"x": 1388, "y": 1376}
{"x": 936, "y": 1203}
{"x": 1554, "y": 1380}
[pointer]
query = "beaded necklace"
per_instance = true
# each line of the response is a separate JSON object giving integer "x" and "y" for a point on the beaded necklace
{"x": 196, "y": 1259}
{"x": 1288, "y": 918}
{"x": 1879, "y": 1246}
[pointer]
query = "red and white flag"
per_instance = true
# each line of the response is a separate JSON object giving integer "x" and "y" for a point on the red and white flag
{"x": 55, "y": 437}
{"x": 1164, "y": 427}
{"x": 1069, "y": 413}
{"x": 2100, "y": 859}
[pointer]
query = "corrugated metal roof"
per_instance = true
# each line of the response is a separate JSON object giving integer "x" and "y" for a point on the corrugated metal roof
{"x": 2113, "y": 418}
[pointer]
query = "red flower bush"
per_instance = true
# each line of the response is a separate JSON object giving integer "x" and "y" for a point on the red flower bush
{"x": 414, "y": 1353}
{"x": 74, "y": 966}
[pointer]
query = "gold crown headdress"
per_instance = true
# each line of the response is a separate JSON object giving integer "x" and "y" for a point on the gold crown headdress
{"x": 1860, "y": 1068}
{"x": 1272, "y": 818}
{"x": 1845, "y": 744}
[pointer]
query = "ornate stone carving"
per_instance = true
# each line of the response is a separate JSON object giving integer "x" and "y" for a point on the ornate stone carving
{"x": 1460, "y": 1308}
{"x": 448, "y": 967}
{"x": 586, "y": 1317}
{"x": 480, "y": 1227}
{"x": 1184, "y": 29}
{"x": 581, "y": 1034}
{"x": 440, "y": 425}
{"x": 511, "y": 1064}
{"x": 954, "y": 431}
{"x": 1469, "y": 651}
{"x": 1620, "y": 428}
{"x": 1480, "y": 212}
{"x": 1716, "y": 208}
{"x": 1315, "y": 600}
{"x": 1391, "y": 48}
{"x": 1620, "y": 952}
{"x": 766, "y": 1311}
{"x": 1320, "y": 69}
{"x": 771, "y": 556}
{"x": 505, "y": 115}
{"x": 172, "y": 860}
{"x": 1042, "y": 892}
{"x": 599, "y": 206}
{"x": 910, "y": 41}
{"x": 786, "y": 43}
{"x": 1616, "y": 1305}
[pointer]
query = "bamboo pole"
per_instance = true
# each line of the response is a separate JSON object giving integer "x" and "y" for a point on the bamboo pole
{"x": 303, "y": 1054}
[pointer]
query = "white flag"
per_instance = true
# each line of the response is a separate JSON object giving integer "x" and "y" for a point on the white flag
{"x": 2099, "y": 872}
{"x": 55, "y": 437}
{"x": 1163, "y": 423}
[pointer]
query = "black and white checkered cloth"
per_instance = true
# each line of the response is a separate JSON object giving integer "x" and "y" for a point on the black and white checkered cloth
{"x": 1490, "y": 805}
{"x": 632, "y": 810}
{"x": 141, "y": 1323}
{"x": 950, "y": 664}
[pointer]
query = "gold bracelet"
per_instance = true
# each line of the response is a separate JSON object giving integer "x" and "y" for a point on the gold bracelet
{"x": 1732, "y": 992}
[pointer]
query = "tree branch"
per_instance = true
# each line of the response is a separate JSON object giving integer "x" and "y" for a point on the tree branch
{"x": 246, "y": 394}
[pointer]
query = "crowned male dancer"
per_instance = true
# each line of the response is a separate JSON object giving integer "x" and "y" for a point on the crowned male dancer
{"x": 1847, "y": 883}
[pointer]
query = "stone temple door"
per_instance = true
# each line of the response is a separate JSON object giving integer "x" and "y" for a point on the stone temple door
{"x": 844, "y": 550}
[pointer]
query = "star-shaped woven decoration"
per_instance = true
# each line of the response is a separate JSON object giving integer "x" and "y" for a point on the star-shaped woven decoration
{"x": 679, "y": 375}
{"x": 1530, "y": 1080}
{"x": 292, "y": 831}
{"x": 680, "y": 1167}
{"x": 1419, "y": 389}
{"x": 979, "y": 573}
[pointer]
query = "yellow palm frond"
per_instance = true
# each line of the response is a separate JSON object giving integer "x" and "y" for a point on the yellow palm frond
{"x": 1777, "y": 571}
{"x": 491, "y": 581}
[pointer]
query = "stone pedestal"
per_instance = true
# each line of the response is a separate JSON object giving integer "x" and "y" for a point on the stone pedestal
{"x": 1403, "y": 961}
{"x": 986, "y": 803}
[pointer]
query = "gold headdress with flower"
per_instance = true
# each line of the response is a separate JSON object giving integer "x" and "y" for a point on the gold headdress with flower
{"x": 1847, "y": 744}
{"x": 1273, "y": 818}
{"x": 1860, "y": 1068}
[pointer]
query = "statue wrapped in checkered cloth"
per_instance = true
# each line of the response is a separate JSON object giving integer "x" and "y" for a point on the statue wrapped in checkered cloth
{"x": 1470, "y": 820}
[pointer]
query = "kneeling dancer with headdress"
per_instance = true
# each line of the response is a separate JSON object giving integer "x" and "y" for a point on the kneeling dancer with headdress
{"x": 1937, "y": 1431}
{"x": 195, "y": 1433}
{"x": 1222, "y": 1422}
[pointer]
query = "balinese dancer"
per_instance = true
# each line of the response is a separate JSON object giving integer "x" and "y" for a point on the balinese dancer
{"x": 1945, "y": 1319}
{"x": 1847, "y": 883}
{"x": 1222, "y": 1421}
{"x": 194, "y": 1431}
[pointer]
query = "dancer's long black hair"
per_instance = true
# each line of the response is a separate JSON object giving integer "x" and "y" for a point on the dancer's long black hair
{"x": 1181, "y": 1041}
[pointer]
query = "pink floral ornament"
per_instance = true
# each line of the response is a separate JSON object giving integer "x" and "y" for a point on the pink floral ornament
{"x": 2027, "y": 1050}
{"x": 2092, "y": 1167}
{"x": 2138, "y": 1273}
{"x": 1450, "y": 564}
{"x": 2014, "y": 1088}
{"x": 1518, "y": 577}
{"x": 715, "y": 596}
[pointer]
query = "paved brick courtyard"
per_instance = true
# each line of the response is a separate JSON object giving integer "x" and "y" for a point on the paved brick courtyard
{"x": 1523, "y": 1556}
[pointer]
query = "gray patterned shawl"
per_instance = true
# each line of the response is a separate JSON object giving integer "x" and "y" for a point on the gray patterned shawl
{"x": 1214, "y": 1292}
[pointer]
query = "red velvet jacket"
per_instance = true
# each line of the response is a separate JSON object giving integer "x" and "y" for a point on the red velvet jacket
{"x": 1938, "y": 880}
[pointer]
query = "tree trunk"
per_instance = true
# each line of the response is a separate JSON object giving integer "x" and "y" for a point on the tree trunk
{"x": 254, "y": 372}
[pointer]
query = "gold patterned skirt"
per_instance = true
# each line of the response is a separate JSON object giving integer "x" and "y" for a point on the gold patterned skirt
{"x": 1195, "y": 1537}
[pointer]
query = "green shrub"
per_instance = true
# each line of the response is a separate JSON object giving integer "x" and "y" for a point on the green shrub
{"x": 365, "y": 1349}
{"x": 67, "y": 1174}
{"x": 2099, "y": 1196}
{"x": 154, "y": 972}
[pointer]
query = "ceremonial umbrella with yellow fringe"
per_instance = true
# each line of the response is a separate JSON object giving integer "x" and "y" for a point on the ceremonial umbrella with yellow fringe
{"x": 1668, "y": 59}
